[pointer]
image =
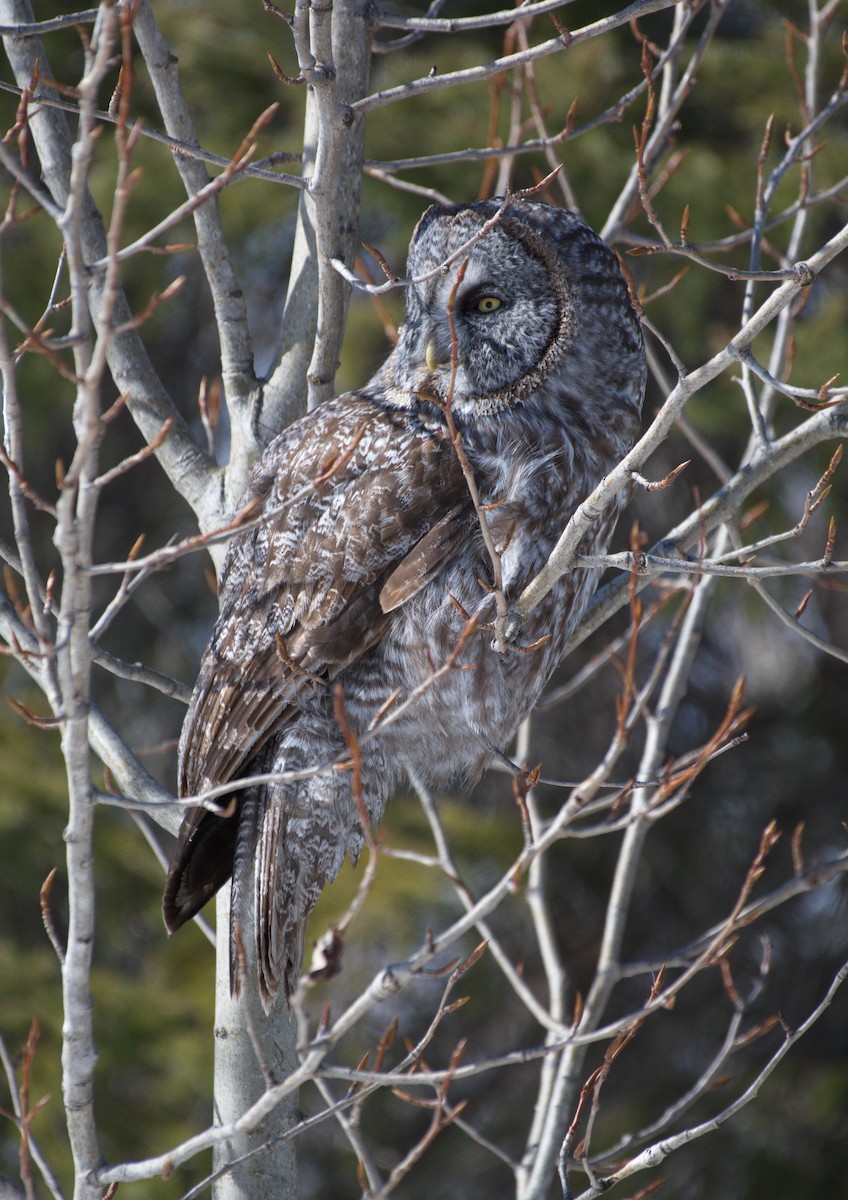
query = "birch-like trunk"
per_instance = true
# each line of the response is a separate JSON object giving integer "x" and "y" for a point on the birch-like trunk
{"x": 306, "y": 361}
{"x": 240, "y": 1080}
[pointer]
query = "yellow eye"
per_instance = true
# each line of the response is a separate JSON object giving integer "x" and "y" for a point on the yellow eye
{"x": 487, "y": 304}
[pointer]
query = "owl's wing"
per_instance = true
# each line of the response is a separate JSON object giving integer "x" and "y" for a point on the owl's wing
{"x": 359, "y": 511}
{"x": 361, "y": 508}
{"x": 427, "y": 557}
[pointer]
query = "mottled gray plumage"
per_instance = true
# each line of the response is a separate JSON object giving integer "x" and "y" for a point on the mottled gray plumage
{"x": 369, "y": 549}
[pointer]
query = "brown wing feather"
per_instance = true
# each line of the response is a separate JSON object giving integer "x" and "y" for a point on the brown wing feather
{"x": 427, "y": 557}
{"x": 308, "y": 591}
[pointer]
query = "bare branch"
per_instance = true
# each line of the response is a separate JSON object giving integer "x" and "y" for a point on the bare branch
{"x": 474, "y": 74}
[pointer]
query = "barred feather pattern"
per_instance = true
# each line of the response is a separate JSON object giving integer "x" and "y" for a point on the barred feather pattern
{"x": 369, "y": 552}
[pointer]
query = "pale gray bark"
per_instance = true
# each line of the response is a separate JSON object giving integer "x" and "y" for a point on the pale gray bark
{"x": 188, "y": 468}
{"x": 339, "y": 46}
{"x": 328, "y": 217}
{"x": 238, "y": 378}
{"x": 252, "y": 1052}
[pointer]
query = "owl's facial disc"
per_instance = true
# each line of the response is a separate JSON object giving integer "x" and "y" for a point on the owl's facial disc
{"x": 497, "y": 311}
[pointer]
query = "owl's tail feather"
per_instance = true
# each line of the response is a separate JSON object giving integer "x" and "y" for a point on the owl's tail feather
{"x": 241, "y": 894}
{"x": 289, "y": 847}
{"x": 200, "y": 864}
{"x": 292, "y": 839}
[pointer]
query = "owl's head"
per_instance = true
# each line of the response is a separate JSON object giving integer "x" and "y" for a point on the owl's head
{"x": 535, "y": 297}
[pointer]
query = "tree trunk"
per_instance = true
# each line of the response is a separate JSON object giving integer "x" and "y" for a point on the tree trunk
{"x": 328, "y": 223}
{"x": 239, "y": 1081}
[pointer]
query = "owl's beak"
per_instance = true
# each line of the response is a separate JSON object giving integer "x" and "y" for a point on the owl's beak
{"x": 430, "y": 356}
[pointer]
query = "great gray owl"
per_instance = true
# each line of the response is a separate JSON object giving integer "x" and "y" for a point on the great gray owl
{"x": 369, "y": 553}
